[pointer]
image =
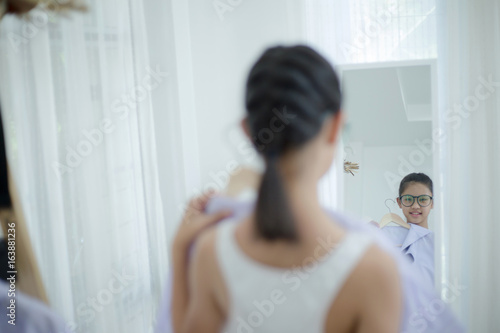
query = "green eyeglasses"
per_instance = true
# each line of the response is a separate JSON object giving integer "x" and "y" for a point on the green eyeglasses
{"x": 408, "y": 200}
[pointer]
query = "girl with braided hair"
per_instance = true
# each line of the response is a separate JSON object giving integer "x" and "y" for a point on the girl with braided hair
{"x": 288, "y": 266}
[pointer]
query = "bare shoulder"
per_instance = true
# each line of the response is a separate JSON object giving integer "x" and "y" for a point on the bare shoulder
{"x": 370, "y": 297}
{"x": 375, "y": 276}
{"x": 379, "y": 265}
{"x": 379, "y": 287}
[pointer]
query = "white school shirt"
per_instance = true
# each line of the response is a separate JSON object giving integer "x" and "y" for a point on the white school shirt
{"x": 417, "y": 245}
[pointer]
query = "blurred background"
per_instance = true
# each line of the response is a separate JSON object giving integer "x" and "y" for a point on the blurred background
{"x": 115, "y": 117}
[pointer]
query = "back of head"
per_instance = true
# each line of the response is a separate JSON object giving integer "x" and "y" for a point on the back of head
{"x": 289, "y": 93}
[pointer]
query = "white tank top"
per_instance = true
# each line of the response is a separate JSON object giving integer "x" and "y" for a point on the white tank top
{"x": 268, "y": 299}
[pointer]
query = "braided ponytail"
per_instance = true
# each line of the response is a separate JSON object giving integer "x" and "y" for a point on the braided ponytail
{"x": 296, "y": 87}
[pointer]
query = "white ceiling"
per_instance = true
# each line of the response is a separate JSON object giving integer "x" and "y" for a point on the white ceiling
{"x": 388, "y": 106}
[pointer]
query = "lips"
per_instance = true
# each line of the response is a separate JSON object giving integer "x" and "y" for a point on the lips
{"x": 415, "y": 214}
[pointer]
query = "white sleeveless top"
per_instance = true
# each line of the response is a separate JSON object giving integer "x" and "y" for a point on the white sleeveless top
{"x": 268, "y": 299}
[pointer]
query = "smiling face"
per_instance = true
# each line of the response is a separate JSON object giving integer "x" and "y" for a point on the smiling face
{"x": 415, "y": 213}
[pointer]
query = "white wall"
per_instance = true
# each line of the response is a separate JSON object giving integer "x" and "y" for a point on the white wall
{"x": 222, "y": 53}
{"x": 381, "y": 170}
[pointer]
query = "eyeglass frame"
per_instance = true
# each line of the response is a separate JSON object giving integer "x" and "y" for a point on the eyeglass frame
{"x": 415, "y": 197}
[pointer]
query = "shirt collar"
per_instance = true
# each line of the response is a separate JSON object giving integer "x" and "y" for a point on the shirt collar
{"x": 414, "y": 234}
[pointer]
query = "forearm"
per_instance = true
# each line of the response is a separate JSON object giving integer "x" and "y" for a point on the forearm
{"x": 192, "y": 225}
{"x": 180, "y": 288}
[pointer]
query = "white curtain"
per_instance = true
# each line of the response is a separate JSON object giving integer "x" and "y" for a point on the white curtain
{"x": 363, "y": 31}
{"x": 469, "y": 40}
{"x": 78, "y": 99}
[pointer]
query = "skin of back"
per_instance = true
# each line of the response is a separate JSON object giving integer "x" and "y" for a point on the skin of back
{"x": 368, "y": 302}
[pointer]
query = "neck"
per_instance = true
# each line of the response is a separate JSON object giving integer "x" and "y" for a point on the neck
{"x": 302, "y": 196}
{"x": 300, "y": 181}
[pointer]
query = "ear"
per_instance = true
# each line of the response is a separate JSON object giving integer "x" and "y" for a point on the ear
{"x": 336, "y": 125}
{"x": 244, "y": 127}
{"x": 399, "y": 203}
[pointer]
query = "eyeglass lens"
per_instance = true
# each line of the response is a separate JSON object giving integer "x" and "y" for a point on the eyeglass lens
{"x": 423, "y": 200}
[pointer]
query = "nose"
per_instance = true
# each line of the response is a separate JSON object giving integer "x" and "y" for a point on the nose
{"x": 415, "y": 204}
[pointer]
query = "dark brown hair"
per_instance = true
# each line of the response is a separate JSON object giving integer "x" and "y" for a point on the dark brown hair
{"x": 296, "y": 88}
{"x": 5, "y": 201}
{"x": 20, "y": 7}
{"x": 421, "y": 178}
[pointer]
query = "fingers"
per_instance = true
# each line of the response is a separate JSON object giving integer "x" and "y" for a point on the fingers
{"x": 195, "y": 221}
{"x": 196, "y": 207}
{"x": 200, "y": 202}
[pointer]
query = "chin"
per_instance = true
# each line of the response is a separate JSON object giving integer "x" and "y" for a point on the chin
{"x": 411, "y": 220}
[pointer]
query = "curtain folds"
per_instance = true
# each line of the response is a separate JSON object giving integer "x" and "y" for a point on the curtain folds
{"x": 77, "y": 107}
{"x": 469, "y": 47}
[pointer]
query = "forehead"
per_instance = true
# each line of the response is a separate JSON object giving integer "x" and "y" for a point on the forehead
{"x": 416, "y": 189}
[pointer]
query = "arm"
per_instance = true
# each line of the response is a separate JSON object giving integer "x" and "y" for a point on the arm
{"x": 203, "y": 314}
{"x": 382, "y": 304}
{"x": 193, "y": 223}
{"x": 180, "y": 294}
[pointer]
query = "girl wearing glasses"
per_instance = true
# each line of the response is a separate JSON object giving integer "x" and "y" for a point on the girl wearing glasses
{"x": 416, "y": 243}
{"x": 415, "y": 198}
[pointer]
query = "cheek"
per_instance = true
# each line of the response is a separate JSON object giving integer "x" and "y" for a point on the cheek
{"x": 426, "y": 211}
{"x": 406, "y": 211}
